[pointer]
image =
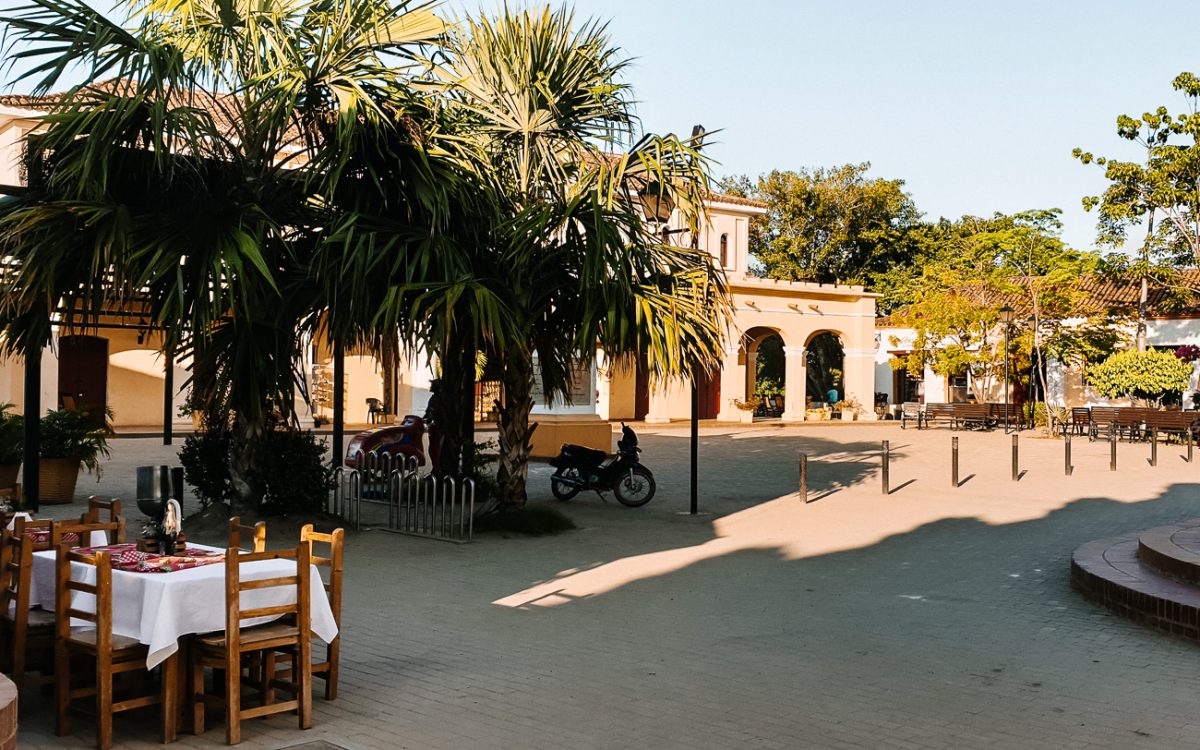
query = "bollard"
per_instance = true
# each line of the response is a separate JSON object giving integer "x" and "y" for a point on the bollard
{"x": 1112, "y": 450}
{"x": 1189, "y": 442}
{"x": 804, "y": 477}
{"x": 1016, "y": 461}
{"x": 887, "y": 457}
{"x": 954, "y": 462}
{"x": 1067, "y": 467}
{"x": 1154, "y": 447}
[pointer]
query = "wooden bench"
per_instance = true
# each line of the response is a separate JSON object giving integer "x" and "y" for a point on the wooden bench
{"x": 910, "y": 411}
{"x": 1015, "y": 417}
{"x": 973, "y": 416}
{"x": 1173, "y": 423}
{"x": 941, "y": 413}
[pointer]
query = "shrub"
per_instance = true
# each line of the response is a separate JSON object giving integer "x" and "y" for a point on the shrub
{"x": 205, "y": 460}
{"x": 12, "y": 437}
{"x": 1148, "y": 375}
{"x": 74, "y": 435}
{"x": 292, "y": 471}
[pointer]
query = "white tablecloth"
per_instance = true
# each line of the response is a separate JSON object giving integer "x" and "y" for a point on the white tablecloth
{"x": 158, "y": 608}
{"x": 95, "y": 539}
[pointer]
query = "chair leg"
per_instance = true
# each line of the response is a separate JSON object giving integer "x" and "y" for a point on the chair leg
{"x": 196, "y": 692}
{"x": 332, "y": 656}
{"x": 267, "y": 674}
{"x": 104, "y": 695}
{"x": 233, "y": 699}
{"x": 62, "y": 690}
{"x": 302, "y": 671}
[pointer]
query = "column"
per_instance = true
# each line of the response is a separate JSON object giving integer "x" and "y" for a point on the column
{"x": 858, "y": 366}
{"x": 794, "y": 383}
{"x": 733, "y": 386}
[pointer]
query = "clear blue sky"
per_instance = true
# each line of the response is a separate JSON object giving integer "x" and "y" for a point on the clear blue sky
{"x": 975, "y": 105}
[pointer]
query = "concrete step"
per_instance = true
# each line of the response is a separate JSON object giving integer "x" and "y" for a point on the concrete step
{"x": 1173, "y": 551}
{"x": 1109, "y": 572}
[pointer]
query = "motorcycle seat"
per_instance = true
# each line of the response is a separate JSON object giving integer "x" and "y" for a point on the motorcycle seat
{"x": 583, "y": 454}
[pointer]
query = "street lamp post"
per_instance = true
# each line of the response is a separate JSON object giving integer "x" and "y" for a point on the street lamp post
{"x": 1006, "y": 317}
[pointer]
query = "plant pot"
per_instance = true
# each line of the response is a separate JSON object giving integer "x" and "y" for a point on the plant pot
{"x": 8, "y": 475}
{"x": 57, "y": 477}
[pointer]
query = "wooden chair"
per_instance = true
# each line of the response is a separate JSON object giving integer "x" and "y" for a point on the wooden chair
{"x": 113, "y": 654}
{"x": 99, "y": 507}
{"x": 44, "y": 528}
{"x": 257, "y": 532}
{"x": 26, "y": 632}
{"x": 79, "y": 534}
{"x": 224, "y": 652}
{"x": 327, "y": 670}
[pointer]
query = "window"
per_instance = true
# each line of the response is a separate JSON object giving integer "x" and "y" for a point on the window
{"x": 724, "y": 251}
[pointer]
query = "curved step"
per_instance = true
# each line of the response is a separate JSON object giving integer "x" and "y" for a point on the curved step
{"x": 1108, "y": 572}
{"x": 1173, "y": 551}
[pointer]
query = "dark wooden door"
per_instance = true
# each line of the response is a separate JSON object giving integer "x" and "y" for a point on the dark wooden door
{"x": 83, "y": 374}
{"x": 708, "y": 389}
{"x": 641, "y": 393}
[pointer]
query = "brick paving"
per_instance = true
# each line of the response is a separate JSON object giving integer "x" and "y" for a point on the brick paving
{"x": 933, "y": 617}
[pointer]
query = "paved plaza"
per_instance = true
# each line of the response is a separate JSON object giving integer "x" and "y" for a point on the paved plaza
{"x": 933, "y": 617}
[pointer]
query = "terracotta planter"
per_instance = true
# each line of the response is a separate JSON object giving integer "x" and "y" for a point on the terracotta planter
{"x": 57, "y": 477}
{"x": 8, "y": 475}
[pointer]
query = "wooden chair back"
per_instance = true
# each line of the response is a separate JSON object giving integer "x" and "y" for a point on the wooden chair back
{"x": 64, "y": 586}
{"x": 16, "y": 565}
{"x": 42, "y": 527}
{"x": 330, "y": 668}
{"x": 234, "y": 586}
{"x": 256, "y": 533}
{"x": 80, "y": 534}
{"x": 99, "y": 507}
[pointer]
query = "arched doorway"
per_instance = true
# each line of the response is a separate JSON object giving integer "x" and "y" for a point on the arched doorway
{"x": 766, "y": 370}
{"x": 825, "y": 362}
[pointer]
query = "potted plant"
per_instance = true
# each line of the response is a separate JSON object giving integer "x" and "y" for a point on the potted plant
{"x": 69, "y": 439}
{"x": 12, "y": 446}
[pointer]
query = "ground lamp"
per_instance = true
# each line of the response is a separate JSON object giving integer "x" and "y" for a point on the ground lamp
{"x": 1006, "y": 317}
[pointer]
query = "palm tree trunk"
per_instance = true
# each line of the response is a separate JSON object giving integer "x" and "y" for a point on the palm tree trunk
{"x": 458, "y": 379}
{"x": 515, "y": 430}
{"x": 243, "y": 451}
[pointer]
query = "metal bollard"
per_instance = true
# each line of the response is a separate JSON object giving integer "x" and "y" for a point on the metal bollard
{"x": 804, "y": 477}
{"x": 1016, "y": 461}
{"x": 954, "y": 462}
{"x": 1154, "y": 447}
{"x": 1068, "y": 469}
{"x": 887, "y": 457}
{"x": 1112, "y": 450}
{"x": 1189, "y": 443}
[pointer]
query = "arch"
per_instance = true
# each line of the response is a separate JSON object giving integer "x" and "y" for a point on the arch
{"x": 825, "y": 357}
{"x": 762, "y": 354}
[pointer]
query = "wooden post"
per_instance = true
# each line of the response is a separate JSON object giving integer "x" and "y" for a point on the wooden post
{"x": 339, "y": 403}
{"x": 33, "y": 429}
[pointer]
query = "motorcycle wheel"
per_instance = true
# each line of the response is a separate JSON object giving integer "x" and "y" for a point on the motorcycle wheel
{"x": 635, "y": 488}
{"x": 562, "y": 490}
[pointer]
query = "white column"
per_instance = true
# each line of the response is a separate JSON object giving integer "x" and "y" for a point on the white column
{"x": 794, "y": 383}
{"x": 733, "y": 386}
{"x": 858, "y": 367}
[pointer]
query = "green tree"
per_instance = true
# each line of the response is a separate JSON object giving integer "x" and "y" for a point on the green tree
{"x": 1165, "y": 186}
{"x": 190, "y": 176}
{"x": 828, "y": 225}
{"x": 575, "y": 264}
{"x": 1148, "y": 375}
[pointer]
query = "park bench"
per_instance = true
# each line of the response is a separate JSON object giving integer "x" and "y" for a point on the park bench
{"x": 1103, "y": 420}
{"x": 974, "y": 416}
{"x": 996, "y": 414}
{"x": 910, "y": 411}
{"x": 941, "y": 413}
{"x": 1173, "y": 423}
{"x": 1079, "y": 422}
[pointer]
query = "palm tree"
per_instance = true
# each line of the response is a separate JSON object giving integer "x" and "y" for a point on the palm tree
{"x": 193, "y": 171}
{"x": 544, "y": 121}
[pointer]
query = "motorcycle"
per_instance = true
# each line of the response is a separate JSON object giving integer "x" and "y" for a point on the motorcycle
{"x": 579, "y": 468}
{"x": 404, "y": 439}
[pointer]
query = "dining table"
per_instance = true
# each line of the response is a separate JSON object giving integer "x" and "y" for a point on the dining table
{"x": 158, "y": 600}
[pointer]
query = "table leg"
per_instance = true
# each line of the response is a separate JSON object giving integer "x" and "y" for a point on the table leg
{"x": 170, "y": 697}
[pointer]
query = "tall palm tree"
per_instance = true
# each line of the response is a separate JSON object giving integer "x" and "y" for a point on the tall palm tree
{"x": 547, "y": 124}
{"x": 193, "y": 172}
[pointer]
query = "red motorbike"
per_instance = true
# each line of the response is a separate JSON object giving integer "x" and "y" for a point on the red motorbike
{"x": 404, "y": 439}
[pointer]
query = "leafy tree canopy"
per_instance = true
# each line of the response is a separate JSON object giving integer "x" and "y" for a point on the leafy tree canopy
{"x": 1147, "y": 375}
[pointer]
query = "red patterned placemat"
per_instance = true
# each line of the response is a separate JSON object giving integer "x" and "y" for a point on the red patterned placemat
{"x": 129, "y": 558}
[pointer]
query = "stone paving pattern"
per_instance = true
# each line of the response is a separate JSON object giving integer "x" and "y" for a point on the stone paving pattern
{"x": 934, "y": 617}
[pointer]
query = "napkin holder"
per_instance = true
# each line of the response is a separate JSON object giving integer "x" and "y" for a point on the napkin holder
{"x": 154, "y": 546}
